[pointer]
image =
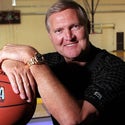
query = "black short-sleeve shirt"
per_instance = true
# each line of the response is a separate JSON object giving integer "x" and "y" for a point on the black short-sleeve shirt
{"x": 101, "y": 81}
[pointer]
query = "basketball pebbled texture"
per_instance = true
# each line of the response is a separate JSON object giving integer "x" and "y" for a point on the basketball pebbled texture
{"x": 13, "y": 110}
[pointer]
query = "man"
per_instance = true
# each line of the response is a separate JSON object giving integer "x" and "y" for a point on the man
{"x": 79, "y": 84}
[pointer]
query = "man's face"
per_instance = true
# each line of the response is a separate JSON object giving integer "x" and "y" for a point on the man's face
{"x": 67, "y": 34}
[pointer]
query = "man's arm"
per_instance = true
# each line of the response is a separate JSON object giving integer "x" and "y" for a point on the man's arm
{"x": 58, "y": 100}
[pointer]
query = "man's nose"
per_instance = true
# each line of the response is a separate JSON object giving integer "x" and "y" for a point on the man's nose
{"x": 68, "y": 35}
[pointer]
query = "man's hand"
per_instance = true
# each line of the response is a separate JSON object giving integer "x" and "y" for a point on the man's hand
{"x": 21, "y": 53}
{"x": 20, "y": 78}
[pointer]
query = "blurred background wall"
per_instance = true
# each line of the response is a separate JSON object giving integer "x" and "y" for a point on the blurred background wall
{"x": 107, "y": 18}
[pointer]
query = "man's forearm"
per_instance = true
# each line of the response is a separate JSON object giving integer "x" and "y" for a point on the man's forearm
{"x": 56, "y": 98}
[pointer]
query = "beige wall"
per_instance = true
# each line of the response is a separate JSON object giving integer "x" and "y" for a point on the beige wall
{"x": 113, "y": 23}
{"x": 32, "y": 29}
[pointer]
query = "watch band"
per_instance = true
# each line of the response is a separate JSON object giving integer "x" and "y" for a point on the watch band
{"x": 37, "y": 59}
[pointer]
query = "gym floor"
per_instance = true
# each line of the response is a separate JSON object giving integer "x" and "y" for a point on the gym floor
{"x": 42, "y": 116}
{"x": 41, "y": 121}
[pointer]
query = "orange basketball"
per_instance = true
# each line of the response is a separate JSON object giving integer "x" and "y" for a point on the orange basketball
{"x": 13, "y": 110}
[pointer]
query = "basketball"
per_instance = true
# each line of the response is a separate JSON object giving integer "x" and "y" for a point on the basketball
{"x": 13, "y": 110}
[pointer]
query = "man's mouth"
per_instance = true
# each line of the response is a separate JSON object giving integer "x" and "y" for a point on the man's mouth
{"x": 71, "y": 44}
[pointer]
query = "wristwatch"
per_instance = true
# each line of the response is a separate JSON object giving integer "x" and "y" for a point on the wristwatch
{"x": 37, "y": 59}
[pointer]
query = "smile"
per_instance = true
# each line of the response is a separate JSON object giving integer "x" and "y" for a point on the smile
{"x": 71, "y": 44}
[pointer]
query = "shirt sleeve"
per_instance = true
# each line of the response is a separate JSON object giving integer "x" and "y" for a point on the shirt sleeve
{"x": 108, "y": 82}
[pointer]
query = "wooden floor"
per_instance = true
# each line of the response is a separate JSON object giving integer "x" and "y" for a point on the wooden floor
{"x": 41, "y": 110}
{"x": 41, "y": 115}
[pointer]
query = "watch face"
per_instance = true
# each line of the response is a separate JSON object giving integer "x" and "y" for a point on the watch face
{"x": 39, "y": 58}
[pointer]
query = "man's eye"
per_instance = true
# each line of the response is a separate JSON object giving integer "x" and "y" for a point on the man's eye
{"x": 58, "y": 31}
{"x": 75, "y": 27}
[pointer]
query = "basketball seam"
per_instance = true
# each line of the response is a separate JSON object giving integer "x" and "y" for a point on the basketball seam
{"x": 5, "y": 82}
{"x": 12, "y": 105}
